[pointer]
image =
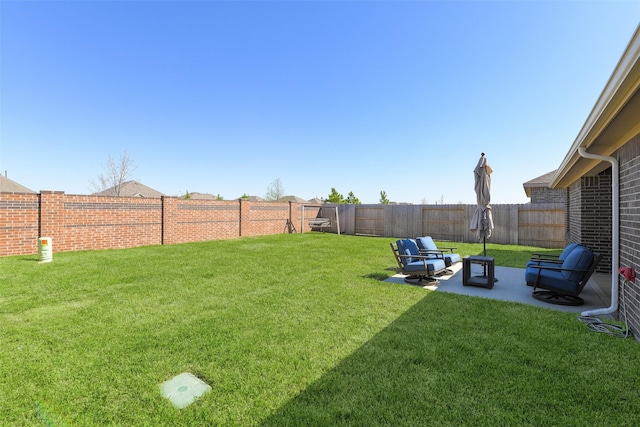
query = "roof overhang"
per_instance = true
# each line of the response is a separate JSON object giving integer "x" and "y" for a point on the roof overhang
{"x": 527, "y": 188}
{"x": 613, "y": 121}
{"x": 540, "y": 182}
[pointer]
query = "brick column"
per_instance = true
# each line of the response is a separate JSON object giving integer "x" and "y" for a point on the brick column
{"x": 245, "y": 217}
{"x": 169, "y": 218}
{"x": 51, "y": 222}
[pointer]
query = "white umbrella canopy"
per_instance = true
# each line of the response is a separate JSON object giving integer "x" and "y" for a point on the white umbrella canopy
{"x": 482, "y": 219}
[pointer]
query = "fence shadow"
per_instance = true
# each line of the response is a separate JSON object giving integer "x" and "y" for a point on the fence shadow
{"x": 398, "y": 377}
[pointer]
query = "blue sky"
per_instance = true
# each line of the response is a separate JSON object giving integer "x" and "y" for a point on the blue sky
{"x": 225, "y": 97}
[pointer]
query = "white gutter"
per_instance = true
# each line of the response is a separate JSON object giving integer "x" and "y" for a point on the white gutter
{"x": 615, "y": 238}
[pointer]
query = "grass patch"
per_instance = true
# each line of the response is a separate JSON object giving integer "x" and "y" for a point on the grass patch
{"x": 292, "y": 330}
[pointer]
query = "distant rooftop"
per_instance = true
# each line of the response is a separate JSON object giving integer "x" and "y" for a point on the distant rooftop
{"x": 252, "y": 198}
{"x": 199, "y": 196}
{"x": 542, "y": 181}
{"x": 9, "y": 186}
{"x": 292, "y": 199}
{"x": 132, "y": 189}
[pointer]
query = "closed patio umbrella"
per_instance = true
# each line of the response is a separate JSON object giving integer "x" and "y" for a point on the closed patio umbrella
{"x": 482, "y": 219}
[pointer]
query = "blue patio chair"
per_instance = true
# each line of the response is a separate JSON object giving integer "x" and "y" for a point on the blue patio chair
{"x": 547, "y": 259}
{"x": 563, "y": 283}
{"x": 417, "y": 267}
{"x": 427, "y": 246}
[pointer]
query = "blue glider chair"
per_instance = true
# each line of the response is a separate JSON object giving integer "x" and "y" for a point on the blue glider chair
{"x": 417, "y": 267}
{"x": 562, "y": 283}
{"x": 546, "y": 259}
{"x": 427, "y": 247}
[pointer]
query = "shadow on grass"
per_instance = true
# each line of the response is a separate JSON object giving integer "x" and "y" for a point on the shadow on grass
{"x": 423, "y": 369}
{"x": 376, "y": 276}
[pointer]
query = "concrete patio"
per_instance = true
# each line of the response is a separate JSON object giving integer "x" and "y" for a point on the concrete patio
{"x": 511, "y": 287}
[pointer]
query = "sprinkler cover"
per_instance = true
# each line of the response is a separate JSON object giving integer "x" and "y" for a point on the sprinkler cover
{"x": 183, "y": 389}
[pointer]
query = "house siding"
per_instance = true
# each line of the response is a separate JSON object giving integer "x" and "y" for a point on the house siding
{"x": 548, "y": 195}
{"x": 573, "y": 214}
{"x": 589, "y": 216}
{"x": 629, "y": 160}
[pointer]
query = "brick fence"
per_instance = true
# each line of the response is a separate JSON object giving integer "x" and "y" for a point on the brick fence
{"x": 78, "y": 222}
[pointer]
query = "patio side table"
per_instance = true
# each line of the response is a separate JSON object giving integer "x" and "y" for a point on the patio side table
{"x": 484, "y": 281}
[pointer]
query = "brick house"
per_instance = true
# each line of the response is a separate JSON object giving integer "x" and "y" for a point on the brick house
{"x": 538, "y": 190}
{"x": 601, "y": 176}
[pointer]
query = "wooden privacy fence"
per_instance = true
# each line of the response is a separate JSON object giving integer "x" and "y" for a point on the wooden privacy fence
{"x": 541, "y": 225}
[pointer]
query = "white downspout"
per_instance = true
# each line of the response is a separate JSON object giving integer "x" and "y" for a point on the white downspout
{"x": 615, "y": 238}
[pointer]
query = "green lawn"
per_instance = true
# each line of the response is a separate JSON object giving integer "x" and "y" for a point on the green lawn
{"x": 292, "y": 330}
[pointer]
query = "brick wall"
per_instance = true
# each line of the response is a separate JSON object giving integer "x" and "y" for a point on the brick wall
{"x": 268, "y": 218}
{"x": 573, "y": 221}
{"x": 100, "y": 222}
{"x": 596, "y": 216}
{"x": 19, "y": 223}
{"x": 548, "y": 195}
{"x": 200, "y": 220}
{"x": 77, "y": 222}
{"x": 589, "y": 216}
{"x": 629, "y": 159}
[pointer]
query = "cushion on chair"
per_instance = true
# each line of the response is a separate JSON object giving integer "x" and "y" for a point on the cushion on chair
{"x": 452, "y": 258}
{"x": 407, "y": 247}
{"x": 550, "y": 278}
{"x": 426, "y": 243}
{"x": 579, "y": 259}
{"x": 433, "y": 265}
{"x": 412, "y": 247}
{"x": 402, "y": 251}
{"x": 436, "y": 264}
{"x": 565, "y": 253}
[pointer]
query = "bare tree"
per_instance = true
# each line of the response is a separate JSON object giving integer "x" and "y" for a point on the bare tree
{"x": 115, "y": 173}
{"x": 275, "y": 190}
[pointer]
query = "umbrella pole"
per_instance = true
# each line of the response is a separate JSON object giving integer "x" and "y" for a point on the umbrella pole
{"x": 484, "y": 248}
